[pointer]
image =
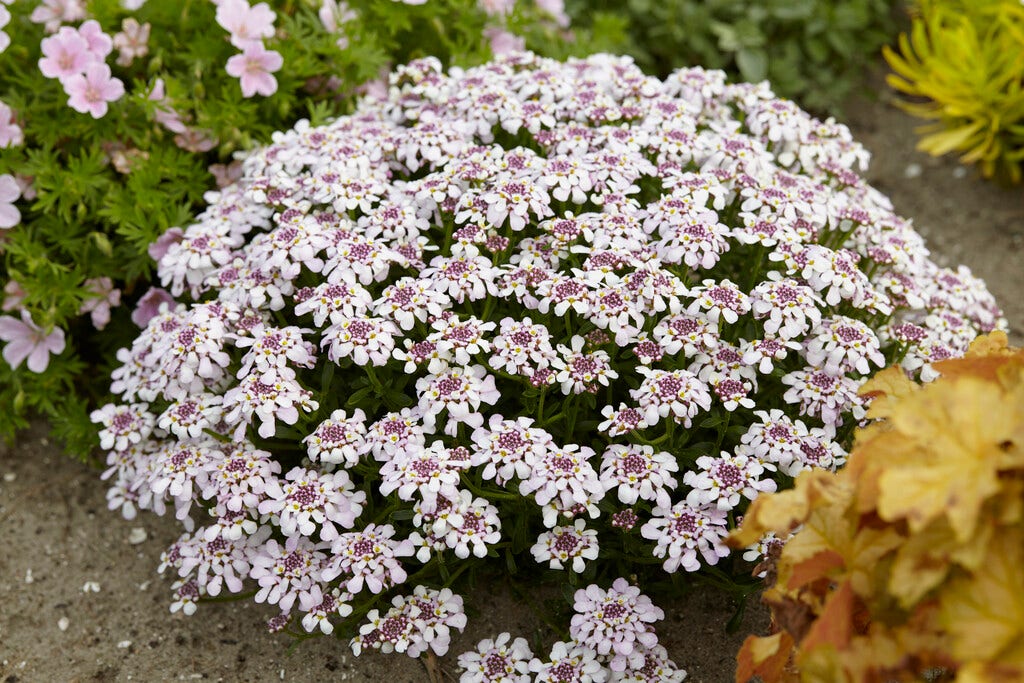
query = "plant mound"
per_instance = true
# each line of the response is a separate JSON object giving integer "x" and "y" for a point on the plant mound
{"x": 912, "y": 557}
{"x": 553, "y": 320}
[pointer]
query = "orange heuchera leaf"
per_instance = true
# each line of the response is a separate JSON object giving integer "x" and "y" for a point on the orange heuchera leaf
{"x": 924, "y": 560}
{"x": 783, "y": 511}
{"x": 834, "y": 626}
{"x": 765, "y": 657}
{"x": 886, "y": 389}
{"x": 957, "y": 426}
{"x": 815, "y": 567}
{"x": 983, "y": 359}
{"x": 984, "y": 612}
{"x": 990, "y": 672}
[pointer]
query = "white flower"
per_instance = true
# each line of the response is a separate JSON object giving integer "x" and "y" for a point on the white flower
{"x": 567, "y": 546}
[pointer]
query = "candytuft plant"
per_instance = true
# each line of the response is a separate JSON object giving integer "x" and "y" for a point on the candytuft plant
{"x": 912, "y": 557}
{"x": 962, "y": 65}
{"x": 116, "y": 117}
{"x": 556, "y": 320}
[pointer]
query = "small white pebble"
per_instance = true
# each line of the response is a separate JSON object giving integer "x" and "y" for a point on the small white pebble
{"x": 10, "y": 476}
{"x": 63, "y": 623}
{"x": 144, "y": 585}
{"x": 282, "y": 674}
{"x": 913, "y": 171}
{"x": 28, "y": 576}
{"x": 138, "y": 535}
{"x": 960, "y": 172}
{"x": 124, "y": 644}
{"x": 90, "y": 587}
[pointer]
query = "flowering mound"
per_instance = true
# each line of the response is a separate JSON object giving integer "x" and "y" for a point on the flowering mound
{"x": 550, "y": 318}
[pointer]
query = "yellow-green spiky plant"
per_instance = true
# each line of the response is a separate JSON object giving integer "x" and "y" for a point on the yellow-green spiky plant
{"x": 963, "y": 65}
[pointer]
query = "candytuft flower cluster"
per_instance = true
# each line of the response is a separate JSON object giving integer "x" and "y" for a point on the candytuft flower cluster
{"x": 558, "y": 317}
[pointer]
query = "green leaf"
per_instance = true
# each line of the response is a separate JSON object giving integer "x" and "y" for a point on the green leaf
{"x": 753, "y": 64}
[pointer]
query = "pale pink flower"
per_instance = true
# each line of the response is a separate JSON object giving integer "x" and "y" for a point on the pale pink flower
{"x": 637, "y": 471}
{"x": 569, "y": 661}
{"x": 334, "y": 15}
{"x": 157, "y": 249}
{"x": 567, "y": 545}
{"x": 195, "y": 140}
{"x": 9, "y": 193}
{"x": 556, "y": 8}
{"x": 187, "y": 418}
{"x": 90, "y": 93}
{"x": 28, "y": 340}
{"x": 503, "y": 42}
{"x": 368, "y": 558}
{"x": 429, "y": 472}
{"x": 65, "y": 54}
{"x": 28, "y": 189}
{"x": 253, "y": 67}
{"x": 5, "y": 18}
{"x": 683, "y": 531}
{"x": 618, "y": 623}
{"x": 131, "y": 41}
{"x": 285, "y": 572}
{"x": 226, "y": 174}
{"x": 306, "y": 499}
{"x": 100, "y": 44}
{"x": 10, "y": 132}
{"x": 123, "y": 425}
{"x": 53, "y": 13}
{"x": 339, "y": 440}
{"x": 104, "y": 295}
{"x": 150, "y": 304}
{"x": 164, "y": 114}
{"x": 723, "y": 480}
{"x": 497, "y": 661}
{"x": 460, "y": 391}
{"x": 499, "y": 7}
{"x": 414, "y": 623}
{"x": 13, "y": 296}
{"x": 247, "y": 24}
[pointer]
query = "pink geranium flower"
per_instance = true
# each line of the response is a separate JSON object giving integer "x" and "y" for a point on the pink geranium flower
{"x": 100, "y": 44}
{"x": 164, "y": 242}
{"x": 247, "y": 25}
{"x": 5, "y": 17}
{"x": 25, "y": 339}
{"x": 13, "y": 296}
{"x": 10, "y": 132}
{"x": 89, "y": 93}
{"x": 165, "y": 114}
{"x": 149, "y": 305}
{"x": 9, "y": 193}
{"x": 98, "y": 305}
{"x": 53, "y": 13}
{"x": 253, "y": 68}
{"x": 65, "y": 54}
{"x": 131, "y": 41}
{"x": 503, "y": 42}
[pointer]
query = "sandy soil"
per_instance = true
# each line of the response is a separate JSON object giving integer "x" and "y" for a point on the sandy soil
{"x": 59, "y": 542}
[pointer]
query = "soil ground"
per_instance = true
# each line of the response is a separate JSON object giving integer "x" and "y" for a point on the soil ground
{"x": 59, "y": 541}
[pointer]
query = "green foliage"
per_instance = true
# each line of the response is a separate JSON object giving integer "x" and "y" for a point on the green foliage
{"x": 101, "y": 190}
{"x": 963, "y": 65}
{"x": 812, "y": 51}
